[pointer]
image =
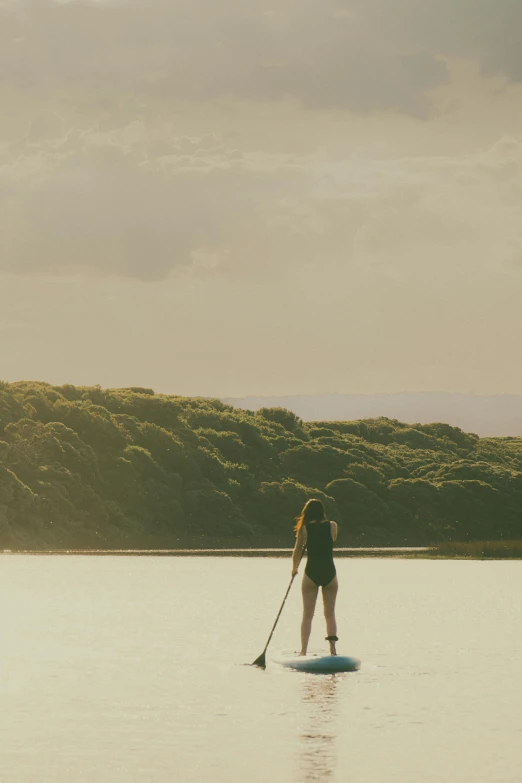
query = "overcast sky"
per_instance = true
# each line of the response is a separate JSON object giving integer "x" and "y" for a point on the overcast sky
{"x": 233, "y": 197}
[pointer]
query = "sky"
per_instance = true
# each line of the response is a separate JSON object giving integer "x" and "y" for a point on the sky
{"x": 246, "y": 197}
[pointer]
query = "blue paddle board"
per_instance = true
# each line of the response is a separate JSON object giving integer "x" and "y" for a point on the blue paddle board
{"x": 319, "y": 664}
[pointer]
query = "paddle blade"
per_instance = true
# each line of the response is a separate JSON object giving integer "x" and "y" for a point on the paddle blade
{"x": 261, "y": 661}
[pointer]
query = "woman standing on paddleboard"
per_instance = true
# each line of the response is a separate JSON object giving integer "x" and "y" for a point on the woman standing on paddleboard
{"x": 315, "y": 532}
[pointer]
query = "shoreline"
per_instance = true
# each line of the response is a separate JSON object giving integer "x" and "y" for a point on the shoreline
{"x": 219, "y": 552}
{"x": 436, "y": 552}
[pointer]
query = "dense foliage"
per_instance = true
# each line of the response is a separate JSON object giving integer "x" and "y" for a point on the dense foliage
{"x": 89, "y": 467}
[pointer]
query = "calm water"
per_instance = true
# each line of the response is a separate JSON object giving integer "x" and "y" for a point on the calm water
{"x": 129, "y": 669}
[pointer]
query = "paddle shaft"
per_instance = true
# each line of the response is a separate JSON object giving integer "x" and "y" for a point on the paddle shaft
{"x": 282, "y": 605}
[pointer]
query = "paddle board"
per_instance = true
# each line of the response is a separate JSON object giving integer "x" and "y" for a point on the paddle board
{"x": 320, "y": 664}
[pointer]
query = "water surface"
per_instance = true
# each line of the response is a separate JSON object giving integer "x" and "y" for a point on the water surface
{"x": 130, "y": 669}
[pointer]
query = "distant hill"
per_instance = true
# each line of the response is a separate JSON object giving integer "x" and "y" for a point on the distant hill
{"x": 86, "y": 467}
{"x": 485, "y": 415}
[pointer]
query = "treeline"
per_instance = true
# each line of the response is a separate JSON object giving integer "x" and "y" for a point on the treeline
{"x": 90, "y": 467}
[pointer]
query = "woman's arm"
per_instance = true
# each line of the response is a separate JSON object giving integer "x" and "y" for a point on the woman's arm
{"x": 334, "y": 529}
{"x": 300, "y": 543}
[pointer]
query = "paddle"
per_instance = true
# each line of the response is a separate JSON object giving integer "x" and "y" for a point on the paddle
{"x": 261, "y": 661}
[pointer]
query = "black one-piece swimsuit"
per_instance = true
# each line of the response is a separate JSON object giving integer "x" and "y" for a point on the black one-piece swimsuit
{"x": 320, "y": 567}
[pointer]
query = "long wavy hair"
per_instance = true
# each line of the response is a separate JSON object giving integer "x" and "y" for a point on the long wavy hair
{"x": 313, "y": 511}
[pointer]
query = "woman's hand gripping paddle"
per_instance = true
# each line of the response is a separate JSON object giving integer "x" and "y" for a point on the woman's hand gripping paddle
{"x": 261, "y": 661}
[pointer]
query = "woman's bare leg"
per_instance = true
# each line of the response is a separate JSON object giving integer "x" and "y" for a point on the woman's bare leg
{"x": 329, "y": 596}
{"x": 309, "y": 590}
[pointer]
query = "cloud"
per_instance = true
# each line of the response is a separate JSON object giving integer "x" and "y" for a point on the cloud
{"x": 109, "y": 176}
{"x": 447, "y": 215}
{"x": 358, "y": 55}
{"x": 172, "y": 50}
{"x": 142, "y": 202}
{"x": 130, "y": 202}
{"x": 487, "y": 31}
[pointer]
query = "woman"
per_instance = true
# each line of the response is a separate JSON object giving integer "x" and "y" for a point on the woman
{"x": 317, "y": 534}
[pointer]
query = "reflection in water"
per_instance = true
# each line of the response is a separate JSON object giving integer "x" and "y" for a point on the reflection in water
{"x": 316, "y": 750}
